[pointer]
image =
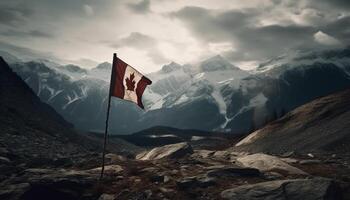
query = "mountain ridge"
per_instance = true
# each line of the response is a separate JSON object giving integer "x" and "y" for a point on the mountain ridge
{"x": 228, "y": 99}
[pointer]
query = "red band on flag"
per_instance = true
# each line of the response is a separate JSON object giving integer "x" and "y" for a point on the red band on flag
{"x": 141, "y": 86}
{"x": 118, "y": 86}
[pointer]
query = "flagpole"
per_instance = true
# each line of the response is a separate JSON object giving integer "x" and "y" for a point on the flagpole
{"x": 107, "y": 118}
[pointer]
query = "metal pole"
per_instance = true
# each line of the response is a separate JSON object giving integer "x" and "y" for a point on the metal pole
{"x": 107, "y": 119}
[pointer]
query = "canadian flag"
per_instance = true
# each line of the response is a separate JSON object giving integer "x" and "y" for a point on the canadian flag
{"x": 127, "y": 83}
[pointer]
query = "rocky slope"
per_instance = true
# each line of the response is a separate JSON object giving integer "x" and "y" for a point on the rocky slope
{"x": 319, "y": 126}
{"x": 32, "y": 131}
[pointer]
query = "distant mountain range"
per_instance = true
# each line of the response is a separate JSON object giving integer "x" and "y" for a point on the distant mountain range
{"x": 210, "y": 95}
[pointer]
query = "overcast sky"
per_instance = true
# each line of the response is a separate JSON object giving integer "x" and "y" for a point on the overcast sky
{"x": 150, "y": 33}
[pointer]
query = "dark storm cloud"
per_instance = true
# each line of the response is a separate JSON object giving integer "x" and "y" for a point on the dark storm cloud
{"x": 212, "y": 26}
{"x": 243, "y": 30}
{"x": 339, "y": 28}
{"x": 34, "y": 33}
{"x": 141, "y": 41}
{"x": 52, "y": 11}
{"x": 344, "y": 4}
{"x": 141, "y": 7}
{"x": 13, "y": 16}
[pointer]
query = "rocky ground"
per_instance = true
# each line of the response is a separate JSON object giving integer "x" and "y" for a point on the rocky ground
{"x": 178, "y": 172}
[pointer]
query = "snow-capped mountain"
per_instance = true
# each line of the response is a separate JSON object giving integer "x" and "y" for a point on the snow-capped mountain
{"x": 210, "y": 95}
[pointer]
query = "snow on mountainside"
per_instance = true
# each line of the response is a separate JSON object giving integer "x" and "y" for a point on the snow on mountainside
{"x": 175, "y": 85}
{"x": 210, "y": 95}
{"x": 303, "y": 59}
{"x": 169, "y": 79}
{"x": 73, "y": 71}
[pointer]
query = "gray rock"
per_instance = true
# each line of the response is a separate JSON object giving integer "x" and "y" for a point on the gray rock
{"x": 168, "y": 151}
{"x": 310, "y": 162}
{"x": 203, "y": 153}
{"x": 4, "y": 160}
{"x": 306, "y": 189}
{"x": 109, "y": 169}
{"x": 265, "y": 162}
{"x": 107, "y": 197}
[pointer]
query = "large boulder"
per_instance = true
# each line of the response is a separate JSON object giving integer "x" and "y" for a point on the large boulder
{"x": 108, "y": 169}
{"x": 168, "y": 151}
{"x": 306, "y": 189}
{"x": 266, "y": 163}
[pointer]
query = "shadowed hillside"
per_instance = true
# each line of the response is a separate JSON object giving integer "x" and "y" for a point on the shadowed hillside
{"x": 321, "y": 125}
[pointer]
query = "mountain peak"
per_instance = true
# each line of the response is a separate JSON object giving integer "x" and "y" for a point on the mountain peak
{"x": 216, "y": 63}
{"x": 74, "y": 68}
{"x": 104, "y": 66}
{"x": 171, "y": 67}
{"x": 9, "y": 58}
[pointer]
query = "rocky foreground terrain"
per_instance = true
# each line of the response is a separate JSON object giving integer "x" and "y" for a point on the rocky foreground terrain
{"x": 177, "y": 171}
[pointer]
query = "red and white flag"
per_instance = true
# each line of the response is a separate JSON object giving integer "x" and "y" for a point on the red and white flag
{"x": 127, "y": 83}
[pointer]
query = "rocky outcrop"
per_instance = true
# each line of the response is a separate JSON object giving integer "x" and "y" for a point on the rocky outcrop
{"x": 168, "y": 151}
{"x": 306, "y": 189}
{"x": 266, "y": 163}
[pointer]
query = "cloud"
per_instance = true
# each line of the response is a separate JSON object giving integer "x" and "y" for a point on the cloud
{"x": 84, "y": 62}
{"x": 141, "y": 7}
{"x": 89, "y": 11}
{"x": 139, "y": 41}
{"x": 249, "y": 38}
{"x": 27, "y": 53}
{"x": 136, "y": 40}
{"x": 343, "y": 4}
{"x": 13, "y": 16}
{"x": 183, "y": 31}
{"x": 325, "y": 39}
{"x": 339, "y": 29}
{"x": 33, "y": 33}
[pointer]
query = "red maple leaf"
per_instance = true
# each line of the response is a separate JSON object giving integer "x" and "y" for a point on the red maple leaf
{"x": 130, "y": 83}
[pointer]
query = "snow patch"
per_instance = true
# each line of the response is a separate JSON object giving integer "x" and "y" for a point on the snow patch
{"x": 160, "y": 136}
{"x": 258, "y": 100}
{"x": 196, "y": 138}
{"x": 182, "y": 99}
